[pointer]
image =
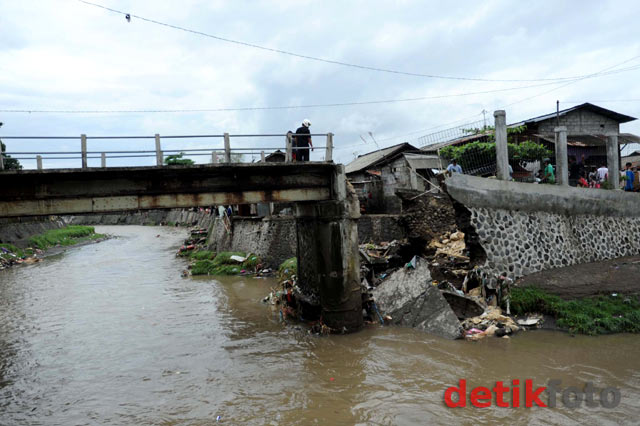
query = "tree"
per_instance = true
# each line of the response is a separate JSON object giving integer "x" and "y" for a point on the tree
{"x": 176, "y": 159}
{"x": 9, "y": 163}
{"x": 477, "y": 155}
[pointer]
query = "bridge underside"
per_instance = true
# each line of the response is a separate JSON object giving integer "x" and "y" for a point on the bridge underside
{"x": 96, "y": 190}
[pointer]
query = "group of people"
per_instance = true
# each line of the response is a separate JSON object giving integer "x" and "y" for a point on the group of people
{"x": 584, "y": 176}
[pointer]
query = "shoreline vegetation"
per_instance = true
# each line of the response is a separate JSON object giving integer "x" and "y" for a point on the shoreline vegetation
{"x": 206, "y": 262}
{"x": 70, "y": 235}
{"x": 602, "y": 314}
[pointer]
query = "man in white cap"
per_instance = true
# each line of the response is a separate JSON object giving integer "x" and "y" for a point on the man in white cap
{"x": 303, "y": 141}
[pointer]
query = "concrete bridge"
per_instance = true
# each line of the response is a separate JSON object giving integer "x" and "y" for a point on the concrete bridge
{"x": 326, "y": 213}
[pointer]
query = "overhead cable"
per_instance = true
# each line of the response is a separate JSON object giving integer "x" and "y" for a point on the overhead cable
{"x": 318, "y": 59}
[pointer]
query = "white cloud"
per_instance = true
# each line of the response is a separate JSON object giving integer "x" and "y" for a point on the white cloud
{"x": 67, "y": 55}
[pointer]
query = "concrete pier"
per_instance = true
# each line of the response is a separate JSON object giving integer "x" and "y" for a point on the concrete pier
{"x": 613, "y": 160}
{"x": 562, "y": 165}
{"x": 328, "y": 262}
{"x": 502, "y": 154}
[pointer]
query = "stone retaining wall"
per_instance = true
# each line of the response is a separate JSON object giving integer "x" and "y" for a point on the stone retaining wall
{"x": 527, "y": 228}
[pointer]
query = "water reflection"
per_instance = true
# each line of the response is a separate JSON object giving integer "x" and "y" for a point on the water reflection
{"x": 111, "y": 334}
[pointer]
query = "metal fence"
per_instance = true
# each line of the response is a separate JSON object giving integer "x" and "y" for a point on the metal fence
{"x": 224, "y": 148}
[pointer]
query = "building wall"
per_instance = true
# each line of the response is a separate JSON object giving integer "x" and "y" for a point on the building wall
{"x": 395, "y": 175}
{"x": 581, "y": 122}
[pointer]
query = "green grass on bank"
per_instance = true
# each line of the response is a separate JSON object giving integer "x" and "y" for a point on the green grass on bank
{"x": 66, "y": 236}
{"x": 21, "y": 253}
{"x": 222, "y": 264}
{"x": 202, "y": 255}
{"x": 595, "y": 315}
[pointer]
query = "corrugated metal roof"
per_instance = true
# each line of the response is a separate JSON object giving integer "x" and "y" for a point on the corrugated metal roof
{"x": 620, "y": 118}
{"x": 422, "y": 161}
{"x": 369, "y": 160}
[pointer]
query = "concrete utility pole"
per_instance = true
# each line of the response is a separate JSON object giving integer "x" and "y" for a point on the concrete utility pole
{"x": 39, "y": 161}
{"x": 502, "y": 153}
{"x": 613, "y": 161}
{"x": 103, "y": 160}
{"x": 562, "y": 167}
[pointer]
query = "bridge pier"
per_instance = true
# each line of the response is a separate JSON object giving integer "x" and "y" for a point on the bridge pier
{"x": 328, "y": 259}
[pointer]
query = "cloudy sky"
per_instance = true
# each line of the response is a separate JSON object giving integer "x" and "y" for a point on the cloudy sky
{"x": 68, "y": 55}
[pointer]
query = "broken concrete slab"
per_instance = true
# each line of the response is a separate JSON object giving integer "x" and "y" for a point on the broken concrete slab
{"x": 411, "y": 301}
{"x": 463, "y": 306}
{"x": 402, "y": 286}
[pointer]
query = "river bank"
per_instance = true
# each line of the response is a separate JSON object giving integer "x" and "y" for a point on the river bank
{"x": 48, "y": 243}
{"x": 129, "y": 341}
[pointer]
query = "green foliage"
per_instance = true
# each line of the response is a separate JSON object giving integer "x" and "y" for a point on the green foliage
{"x": 176, "y": 159}
{"x": 9, "y": 163}
{"x": 67, "y": 236}
{"x": 202, "y": 255}
{"x": 596, "y": 315}
{"x": 467, "y": 155}
{"x": 222, "y": 264}
{"x": 524, "y": 151}
{"x": 288, "y": 268}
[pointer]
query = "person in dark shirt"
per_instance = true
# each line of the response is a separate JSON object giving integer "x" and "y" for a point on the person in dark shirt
{"x": 303, "y": 141}
{"x": 574, "y": 172}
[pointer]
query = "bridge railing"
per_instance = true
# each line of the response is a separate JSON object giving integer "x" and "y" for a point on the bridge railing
{"x": 224, "y": 148}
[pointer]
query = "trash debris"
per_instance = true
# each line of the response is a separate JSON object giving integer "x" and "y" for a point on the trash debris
{"x": 238, "y": 259}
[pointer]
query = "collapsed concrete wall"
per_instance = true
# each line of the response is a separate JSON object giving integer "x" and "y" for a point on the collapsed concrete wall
{"x": 525, "y": 228}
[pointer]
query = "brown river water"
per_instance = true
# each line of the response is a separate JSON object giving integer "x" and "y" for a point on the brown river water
{"x": 109, "y": 333}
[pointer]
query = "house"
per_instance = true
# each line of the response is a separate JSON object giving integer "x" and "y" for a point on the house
{"x": 587, "y": 127}
{"x": 377, "y": 175}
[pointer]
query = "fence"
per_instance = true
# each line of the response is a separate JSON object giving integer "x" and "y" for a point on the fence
{"x": 220, "y": 152}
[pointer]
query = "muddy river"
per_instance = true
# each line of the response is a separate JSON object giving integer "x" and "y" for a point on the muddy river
{"x": 109, "y": 333}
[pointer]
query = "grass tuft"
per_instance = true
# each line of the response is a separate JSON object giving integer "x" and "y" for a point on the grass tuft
{"x": 222, "y": 264}
{"x": 66, "y": 236}
{"x": 594, "y": 315}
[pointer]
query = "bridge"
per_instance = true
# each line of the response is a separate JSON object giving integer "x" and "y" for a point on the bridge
{"x": 326, "y": 211}
{"x": 98, "y": 190}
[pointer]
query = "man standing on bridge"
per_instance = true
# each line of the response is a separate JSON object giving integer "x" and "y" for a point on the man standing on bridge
{"x": 303, "y": 141}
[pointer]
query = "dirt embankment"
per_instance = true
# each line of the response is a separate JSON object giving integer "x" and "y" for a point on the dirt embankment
{"x": 620, "y": 275}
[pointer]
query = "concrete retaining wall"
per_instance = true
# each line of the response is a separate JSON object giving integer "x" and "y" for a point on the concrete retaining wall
{"x": 273, "y": 239}
{"x": 526, "y": 228}
{"x": 184, "y": 217}
{"x": 16, "y": 230}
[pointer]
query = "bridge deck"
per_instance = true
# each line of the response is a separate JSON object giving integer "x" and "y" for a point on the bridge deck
{"x": 92, "y": 190}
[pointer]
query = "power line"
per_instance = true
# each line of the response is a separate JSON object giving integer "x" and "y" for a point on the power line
{"x": 606, "y": 71}
{"x": 329, "y": 61}
{"x": 279, "y": 107}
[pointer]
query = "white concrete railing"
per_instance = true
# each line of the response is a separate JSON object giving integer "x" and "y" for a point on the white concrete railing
{"x": 225, "y": 151}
